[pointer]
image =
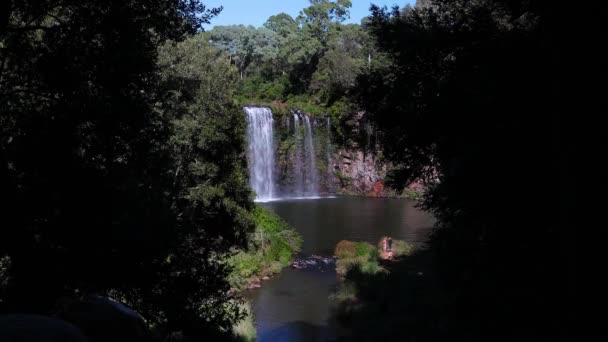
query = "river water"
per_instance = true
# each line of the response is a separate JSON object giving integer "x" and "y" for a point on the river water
{"x": 295, "y": 305}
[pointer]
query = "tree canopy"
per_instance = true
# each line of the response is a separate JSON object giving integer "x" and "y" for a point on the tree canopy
{"x": 468, "y": 102}
{"x": 121, "y": 161}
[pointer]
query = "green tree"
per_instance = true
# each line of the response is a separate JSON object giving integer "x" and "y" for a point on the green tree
{"x": 319, "y": 22}
{"x": 468, "y": 102}
{"x": 349, "y": 53}
{"x": 283, "y": 24}
{"x": 322, "y": 16}
{"x": 247, "y": 46}
{"x": 209, "y": 174}
{"x": 106, "y": 190}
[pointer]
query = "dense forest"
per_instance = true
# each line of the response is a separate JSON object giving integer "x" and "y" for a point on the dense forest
{"x": 310, "y": 62}
{"x": 123, "y": 169}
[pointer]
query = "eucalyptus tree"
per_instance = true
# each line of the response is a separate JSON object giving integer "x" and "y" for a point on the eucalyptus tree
{"x": 318, "y": 23}
{"x": 283, "y": 24}
{"x": 246, "y": 46}
{"x": 322, "y": 17}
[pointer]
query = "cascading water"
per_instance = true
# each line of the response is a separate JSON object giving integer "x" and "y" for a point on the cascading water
{"x": 328, "y": 149}
{"x": 261, "y": 152}
{"x": 312, "y": 173}
{"x": 263, "y": 163}
{"x": 298, "y": 171}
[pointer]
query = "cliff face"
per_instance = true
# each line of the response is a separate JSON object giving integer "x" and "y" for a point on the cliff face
{"x": 316, "y": 156}
{"x": 358, "y": 167}
{"x": 352, "y": 166}
{"x": 359, "y": 173}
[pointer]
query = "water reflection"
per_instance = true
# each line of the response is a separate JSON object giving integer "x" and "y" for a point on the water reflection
{"x": 295, "y": 305}
{"x": 326, "y": 221}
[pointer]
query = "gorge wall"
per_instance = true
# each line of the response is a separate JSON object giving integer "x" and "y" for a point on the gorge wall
{"x": 351, "y": 167}
{"x": 359, "y": 172}
{"x": 357, "y": 163}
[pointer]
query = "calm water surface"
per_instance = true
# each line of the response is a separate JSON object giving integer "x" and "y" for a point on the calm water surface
{"x": 295, "y": 305}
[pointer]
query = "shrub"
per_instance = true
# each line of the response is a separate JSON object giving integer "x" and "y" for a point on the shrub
{"x": 366, "y": 250}
{"x": 272, "y": 247}
{"x": 243, "y": 265}
{"x": 268, "y": 221}
{"x": 345, "y": 249}
{"x": 244, "y": 330}
{"x": 402, "y": 248}
{"x": 357, "y": 255}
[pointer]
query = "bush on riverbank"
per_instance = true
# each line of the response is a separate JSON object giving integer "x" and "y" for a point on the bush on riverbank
{"x": 272, "y": 247}
{"x": 368, "y": 298}
{"x": 360, "y": 255}
{"x": 364, "y": 258}
{"x": 402, "y": 248}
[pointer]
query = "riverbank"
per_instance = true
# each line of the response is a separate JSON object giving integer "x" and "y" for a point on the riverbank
{"x": 272, "y": 247}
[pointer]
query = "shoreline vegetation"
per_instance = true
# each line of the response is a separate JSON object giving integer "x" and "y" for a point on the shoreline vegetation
{"x": 272, "y": 247}
{"x": 367, "y": 258}
{"x": 388, "y": 193}
{"x": 369, "y": 289}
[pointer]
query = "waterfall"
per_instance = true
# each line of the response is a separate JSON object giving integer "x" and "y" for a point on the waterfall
{"x": 328, "y": 149}
{"x": 266, "y": 177}
{"x": 298, "y": 171}
{"x": 261, "y": 152}
{"x": 311, "y": 174}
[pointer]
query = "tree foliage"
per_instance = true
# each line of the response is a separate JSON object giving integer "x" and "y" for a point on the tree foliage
{"x": 468, "y": 102}
{"x": 313, "y": 56}
{"x": 246, "y": 46}
{"x": 121, "y": 165}
{"x": 283, "y": 24}
{"x": 322, "y": 16}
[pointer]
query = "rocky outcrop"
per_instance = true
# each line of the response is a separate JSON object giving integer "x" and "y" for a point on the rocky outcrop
{"x": 315, "y": 262}
{"x": 359, "y": 173}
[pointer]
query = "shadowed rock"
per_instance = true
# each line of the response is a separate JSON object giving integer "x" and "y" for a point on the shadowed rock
{"x": 34, "y": 328}
{"x": 104, "y": 319}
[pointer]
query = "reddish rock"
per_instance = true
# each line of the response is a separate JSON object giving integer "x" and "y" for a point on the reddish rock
{"x": 377, "y": 189}
{"x": 362, "y": 171}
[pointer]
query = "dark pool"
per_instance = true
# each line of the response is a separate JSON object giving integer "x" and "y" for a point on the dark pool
{"x": 295, "y": 305}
